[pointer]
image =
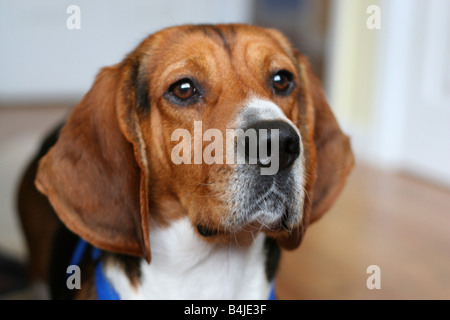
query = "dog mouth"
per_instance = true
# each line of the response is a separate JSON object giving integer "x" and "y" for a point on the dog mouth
{"x": 254, "y": 224}
{"x": 271, "y": 206}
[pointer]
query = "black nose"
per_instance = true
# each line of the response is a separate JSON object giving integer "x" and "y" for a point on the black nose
{"x": 288, "y": 144}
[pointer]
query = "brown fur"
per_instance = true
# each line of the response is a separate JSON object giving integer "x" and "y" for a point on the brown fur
{"x": 110, "y": 172}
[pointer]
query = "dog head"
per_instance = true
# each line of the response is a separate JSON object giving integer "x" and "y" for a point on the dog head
{"x": 223, "y": 124}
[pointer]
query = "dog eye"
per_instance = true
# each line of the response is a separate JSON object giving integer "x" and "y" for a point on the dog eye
{"x": 282, "y": 82}
{"x": 183, "y": 91}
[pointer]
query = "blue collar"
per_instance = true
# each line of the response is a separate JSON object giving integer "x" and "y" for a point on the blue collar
{"x": 105, "y": 290}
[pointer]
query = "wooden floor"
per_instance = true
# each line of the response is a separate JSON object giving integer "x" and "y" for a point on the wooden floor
{"x": 393, "y": 221}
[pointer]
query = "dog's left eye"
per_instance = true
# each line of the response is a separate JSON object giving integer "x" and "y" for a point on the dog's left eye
{"x": 282, "y": 82}
{"x": 182, "y": 92}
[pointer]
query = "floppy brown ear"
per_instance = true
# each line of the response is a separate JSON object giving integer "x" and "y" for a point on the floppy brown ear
{"x": 96, "y": 175}
{"x": 329, "y": 158}
{"x": 334, "y": 157}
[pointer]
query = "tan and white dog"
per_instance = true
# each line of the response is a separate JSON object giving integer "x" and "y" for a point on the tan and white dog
{"x": 184, "y": 231}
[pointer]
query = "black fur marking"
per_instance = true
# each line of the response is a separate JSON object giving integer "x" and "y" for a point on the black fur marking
{"x": 224, "y": 39}
{"x": 207, "y": 28}
{"x": 130, "y": 264}
{"x": 63, "y": 246}
{"x": 273, "y": 255}
{"x": 50, "y": 140}
{"x": 140, "y": 84}
{"x": 206, "y": 232}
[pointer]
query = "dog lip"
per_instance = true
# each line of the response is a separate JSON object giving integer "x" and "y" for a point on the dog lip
{"x": 205, "y": 231}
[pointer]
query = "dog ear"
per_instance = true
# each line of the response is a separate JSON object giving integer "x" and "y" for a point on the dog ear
{"x": 96, "y": 175}
{"x": 330, "y": 158}
{"x": 334, "y": 156}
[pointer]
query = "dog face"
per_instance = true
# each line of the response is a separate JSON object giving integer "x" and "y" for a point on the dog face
{"x": 229, "y": 74}
{"x": 113, "y": 167}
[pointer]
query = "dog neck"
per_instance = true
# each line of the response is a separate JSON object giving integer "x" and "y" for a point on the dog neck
{"x": 184, "y": 266}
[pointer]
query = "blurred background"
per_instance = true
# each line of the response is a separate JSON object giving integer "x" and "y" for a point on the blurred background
{"x": 385, "y": 67}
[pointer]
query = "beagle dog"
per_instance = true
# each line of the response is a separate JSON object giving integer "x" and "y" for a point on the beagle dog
{"x": 190, "y": 230}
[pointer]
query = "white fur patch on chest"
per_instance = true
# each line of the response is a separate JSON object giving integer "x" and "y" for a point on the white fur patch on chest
{"x": 184, "y": 266}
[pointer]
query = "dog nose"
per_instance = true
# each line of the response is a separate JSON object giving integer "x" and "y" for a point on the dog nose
{"x": 288, "y": 143}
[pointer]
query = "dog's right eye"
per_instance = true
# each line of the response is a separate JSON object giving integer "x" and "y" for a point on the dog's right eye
{"x": 182, "y": 92}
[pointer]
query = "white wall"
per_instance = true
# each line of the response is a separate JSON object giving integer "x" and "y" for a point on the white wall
{"x": 390, "y": 87}
{"x": 40, "y": 58}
